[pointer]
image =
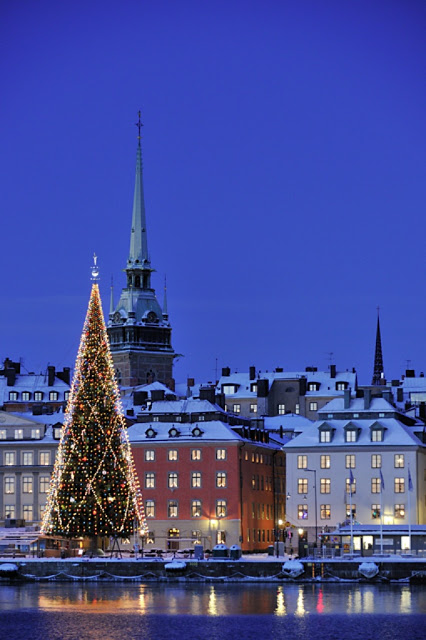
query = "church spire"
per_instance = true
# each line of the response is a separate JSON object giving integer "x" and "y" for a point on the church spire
{"x": 111, "y": 299}
{"x": 138, "y": 254}
{"x": 165, "y": 311}
{"x": 378, "y": 375}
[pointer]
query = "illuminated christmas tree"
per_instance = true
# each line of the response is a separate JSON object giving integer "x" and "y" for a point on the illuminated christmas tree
{"x": 94, "y": 491}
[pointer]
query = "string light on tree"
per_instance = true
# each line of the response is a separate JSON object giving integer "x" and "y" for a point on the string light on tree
{"x": 94, "y": 489}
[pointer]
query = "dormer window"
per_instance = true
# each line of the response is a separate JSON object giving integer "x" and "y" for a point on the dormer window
{"x": 341, "y": 386}
{"x": 38, "y": 396}
{"x": 229, "y": 389}
{"x": 351, "y": 433}
{"x": 314, "y": 386}
{"x": 13, "y": 396}
{"x": 253, "y": 387}
{"x": 26, "y": 396}
{"x": 53, "y": 396}
{"x": 326, "y": 432}
{"x": 150, "y": 433}
{"x": 196, "y": 432}
{"x": 377, "y": 432}
{"x": 174, "y": 433}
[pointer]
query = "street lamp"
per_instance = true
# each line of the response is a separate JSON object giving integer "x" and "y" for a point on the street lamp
{"x": 314, "y": 471}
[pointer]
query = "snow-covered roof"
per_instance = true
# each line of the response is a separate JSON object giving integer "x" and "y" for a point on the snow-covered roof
{"x": 212, "y": 431}
{"x": 410, "y": 385}
{"x": 32, "y": 382}
{"x": 187, "y": 406}
{"x": 337, "y": 405}
{"x": 289, "y": 422}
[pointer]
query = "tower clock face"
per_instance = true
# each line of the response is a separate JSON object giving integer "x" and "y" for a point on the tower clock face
{"x": 117, "y": 317}
{"x": 151, "y": 317}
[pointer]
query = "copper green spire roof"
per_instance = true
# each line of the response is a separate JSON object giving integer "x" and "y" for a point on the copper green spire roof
{"x": 138, "y": 255}
{"x": 378, "y": 375}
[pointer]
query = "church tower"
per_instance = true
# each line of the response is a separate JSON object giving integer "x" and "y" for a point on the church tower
{"x": 378, "y": 373}
{"x": 138, "y": 329}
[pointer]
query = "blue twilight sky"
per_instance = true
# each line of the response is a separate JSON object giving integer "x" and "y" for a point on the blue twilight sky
{"x": 284, "y": 176}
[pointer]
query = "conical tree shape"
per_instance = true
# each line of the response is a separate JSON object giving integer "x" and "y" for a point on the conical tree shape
{"x": 94, "y": 488}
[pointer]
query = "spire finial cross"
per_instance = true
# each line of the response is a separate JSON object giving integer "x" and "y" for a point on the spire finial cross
{"x": 139, "y": 126}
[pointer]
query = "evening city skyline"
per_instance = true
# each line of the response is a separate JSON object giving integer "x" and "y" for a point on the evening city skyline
{"x": 283, "y": 151}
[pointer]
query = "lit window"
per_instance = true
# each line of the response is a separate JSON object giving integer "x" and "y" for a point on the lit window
{"x": 325, "y": 512}
{"x": 196, "y": 454}
{"x": 66, "y": 395}
{"x": 313, "y": 406}
{"x": 27, "y": 484}
{"x": 399, "y": 461}
{"x": 19, "y": 434}
{"x": 150, "y": 508}
{"x": 350, "y": 487}
{"x": 172, "y": 509}
{"x": 156, "y": 419}
{"x": 375, "y": 511}
{"x": 173, "y": 480}
{"x": 348, "y": 511}
{"x": 325, "y": 462}
{"x": 9, "y": 484}
{"x": 325, "y": 435}
{"x": 399, "y": 485}
{"x": 221, "y": 479}
{"x": 399, "y": 511}
{"x": 313, "y": 386}
{"x": 302, "y": 462}
{"x": 173, "y": 454}
{"x": 45, "y": 458}
{"x": 302, "y": 485}
{"x": 35, "y": 434}
{"x": 350, "y": 435}
{"x": 44, "y": 484}
{"x": 9, "y": 510}
{"x": 221, "y": 508}
{"x": 27, "y": 458}
{"x": 281, "y": 409}
{"x": 228, "y": 389}
{"x": 297, "y": 409}
{"x": 27, "y": 511}
{"x": 340, "y": 386}
{"x": 196, "y": 508}
{"x": 325, "y": 485}
{"x": 149, "y": 455}
{"x": 237, "y": 408}
{"x": 302, "y": 511}
{"x": 375, "y": 485}
{"x": 13, "y": 396}
{"x": 53, "y": 396}
{"x": 196, "y": 479}
{"x": 253, "y": 408}
{"x": 38, "y": 396}
{"x": 350, "y": 462}
{"x": 220, "y": 454}
{"x": 150, "y": 480}
{"x": 9, "y": 458}
{"x": 376, "y": 461}
{"x": 377, "y": 435}
{"x": 26, "y": 396}
{"x": 2, "y": 434}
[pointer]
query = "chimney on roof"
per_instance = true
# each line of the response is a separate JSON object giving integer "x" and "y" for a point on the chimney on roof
{"x": 64, "y": 375}
{"x": 207, "y": 393}
{"x": 367, "y": 399}
{"x": 252, "y": 371}
{"x": 50, "y": 375}
{"x": 157, "y": 395}
{"x": 388, "y": 396}
{"x": 400, "y": 394}
{"x": 226, "y": 371}
{"x": 279, "y": 369}
{"x": 410, "y": 373}
{"x": 332, "y": 371}
{"x": 11, "y": 377}
{"x": 422, "y": 411}
{"x": 346, "y": 398}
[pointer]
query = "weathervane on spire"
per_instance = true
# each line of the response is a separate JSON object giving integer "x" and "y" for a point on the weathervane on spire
{"x": 139, "y": 126}
{"x": 95, "y": 268}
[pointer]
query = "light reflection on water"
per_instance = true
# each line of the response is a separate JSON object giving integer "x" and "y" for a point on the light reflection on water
{"x": 216, "y": 600}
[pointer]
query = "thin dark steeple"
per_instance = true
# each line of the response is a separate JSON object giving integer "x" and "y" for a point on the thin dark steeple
{"x": 378, "y": 375}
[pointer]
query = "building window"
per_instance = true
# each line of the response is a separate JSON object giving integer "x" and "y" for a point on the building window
{"x": 237, "y": 408}
{"x": 44, "y": 458}
{"x": 44, "y": 484}
{"x": 35, "y": 434}
{"x": 10, "y": 459}
{"x": 221, "y": 479}
{"x": 150, "y": 480}
{"x": 399, "y": 485}
{"x": 27, "y": 511}
{"x": 196, "y": 479}
{"x": 325, "y": 485}
{"x": 375, "y": 511}
{"x": 9, "y": 510}
{"x": 221, "y": 508}
{"x": 297, "y": 408}
{"x": 53, "y": 396}
{"x": 150, "y": 508}
{"x": 325, "y": 511}
{"x": 350, "y": 435}
{"x": 196, "y": 454}
{"x": 302, "y": 511}
{"x": 302, "y": 462}
{"x": 149, "y": 455}
{"x": 340, "y": 386}
{"x": 27, "y": 484}
{"x": 9, "y": 484}
{"x": 26, "y": 396}
{"x": 220, "y": 454}
{"x": 173, "y": 480}
{"x": 38, "y": 396}
{"x": 172, "y": 509}
{"x": 253, "y": 408}
{"x": 325, "y": 435}
{"x": 220, "y": 537}
{"x": 156, "y": 418}
{"x": 348, "y": 511}
{"x": 27, "y": 458}
{"x": 196, "y": 536}
{"x": 376, "y": 435}
{"x": 66, "y": 396}
{"x": 13, "y": 396}
{"x": 350, "y": 462}
{"x": 229, "y": 389}
{"x": 376, "y": 461}
{"x": 399, "y": 511}
{"x": 196, "y": 508}
{"x": 399, "y": 461}
{"x": 325, "y": 462}
{"x": 172, "y": 455}
{"x": 313, "y": 386}
{"x": 302, "y": 485}
{"x": 2, "y": 434}
{"x": 375, "y": 485}
{"x": 19, "y": 434}
{"x": 313, "y": 406}
{"x": 350, "y": 487}
{"x": 281, "y": 409}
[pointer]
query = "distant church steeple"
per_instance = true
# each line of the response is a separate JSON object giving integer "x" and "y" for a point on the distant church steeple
{"x": 378, "y": 375}
{"x": 138, "y": 329}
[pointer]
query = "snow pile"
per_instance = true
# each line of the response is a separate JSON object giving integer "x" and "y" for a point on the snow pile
{"x": 368, "y": 569}
{"x": 293, "y": 568}
{"x": 175, "y": 565}
{"x": 8, "y": 567}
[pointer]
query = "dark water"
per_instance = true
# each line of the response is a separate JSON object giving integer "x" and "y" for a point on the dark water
{"x": 197, "y": 611}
